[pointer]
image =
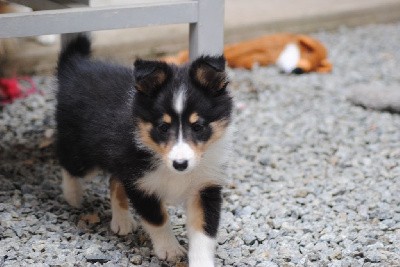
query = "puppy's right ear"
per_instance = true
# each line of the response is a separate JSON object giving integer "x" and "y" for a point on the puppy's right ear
{"x": 208, "y": 72}
{"x": 150, "y": 76}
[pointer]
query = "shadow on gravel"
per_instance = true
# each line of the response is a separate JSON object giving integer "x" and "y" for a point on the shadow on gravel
{"x": 33, "y": 211}
{"x": 35, "y": 171}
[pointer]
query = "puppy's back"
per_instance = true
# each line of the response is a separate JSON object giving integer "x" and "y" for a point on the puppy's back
{"x": 85, "y": 82}
{"x": 94, "y": 105}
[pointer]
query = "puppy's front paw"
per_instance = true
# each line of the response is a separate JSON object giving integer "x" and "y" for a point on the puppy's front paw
{"x": 123, "y": 225}
{"x": 201, "y": 251}
{"x": 169, "y": 251}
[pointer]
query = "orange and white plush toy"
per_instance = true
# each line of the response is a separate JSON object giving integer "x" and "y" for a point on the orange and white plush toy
{"x": 293, "y": 53}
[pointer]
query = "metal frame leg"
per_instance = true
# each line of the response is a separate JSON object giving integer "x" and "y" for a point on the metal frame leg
{"x": 206, "y": 37}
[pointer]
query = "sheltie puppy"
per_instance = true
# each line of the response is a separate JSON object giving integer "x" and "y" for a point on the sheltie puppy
{"x": 159, "y": 129}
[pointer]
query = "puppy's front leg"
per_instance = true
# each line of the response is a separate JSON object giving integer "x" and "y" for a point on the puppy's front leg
{"x": 203, "y": 214}
{"x": 156, "y": 222}
{"x": 122, "y": 222}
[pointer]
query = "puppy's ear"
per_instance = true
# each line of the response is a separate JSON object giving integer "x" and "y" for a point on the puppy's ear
{"x": 151, "y": 75}
{"x": 208, "y": 73}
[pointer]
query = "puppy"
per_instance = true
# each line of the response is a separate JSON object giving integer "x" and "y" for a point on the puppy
{"x": 160, "y": 131}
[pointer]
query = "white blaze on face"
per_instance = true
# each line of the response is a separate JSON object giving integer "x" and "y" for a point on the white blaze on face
{"x": 181, "y": 151}
{"x": 179, "y": 100}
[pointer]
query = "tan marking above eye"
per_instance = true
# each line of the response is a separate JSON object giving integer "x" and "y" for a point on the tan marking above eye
{"x": 218, "y": 128}
{"x": 194, "y": 117}
{"x": 167, "y": 118}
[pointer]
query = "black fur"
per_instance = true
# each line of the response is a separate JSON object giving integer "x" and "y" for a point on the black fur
{"x": 213, "y": 70}
{"x": 211, "y": 201}
{"x": 298, "y": 71}
{"x": 148, "y": 206}
{"x": 79, "y": 46}
{"x": 94, "y": 118}
{"x": 151, "y": 76}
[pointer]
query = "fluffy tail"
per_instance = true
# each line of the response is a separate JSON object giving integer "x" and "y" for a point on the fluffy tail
{"x": 79, "y": 46}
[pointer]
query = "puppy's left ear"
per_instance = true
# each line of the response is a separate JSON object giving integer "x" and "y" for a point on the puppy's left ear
{"x": 208, "y": 72}
{"x": 150, "y": 76}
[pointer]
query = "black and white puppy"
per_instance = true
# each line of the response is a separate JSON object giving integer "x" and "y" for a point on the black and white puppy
{"x": 159, "y": 129}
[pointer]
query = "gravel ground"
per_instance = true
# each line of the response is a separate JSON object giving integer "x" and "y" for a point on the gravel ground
{"x": 313, "y": 180}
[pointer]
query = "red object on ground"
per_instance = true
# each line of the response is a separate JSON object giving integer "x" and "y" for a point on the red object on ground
{"x": 11, "y": 88}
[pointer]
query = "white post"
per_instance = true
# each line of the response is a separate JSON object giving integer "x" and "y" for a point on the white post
{"x": 206, "y": 37}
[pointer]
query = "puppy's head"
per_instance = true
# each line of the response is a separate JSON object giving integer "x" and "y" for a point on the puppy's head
{"x": 181, "y": 111}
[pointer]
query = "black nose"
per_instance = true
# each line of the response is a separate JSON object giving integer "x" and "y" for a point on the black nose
{"x": 180, "y": 165}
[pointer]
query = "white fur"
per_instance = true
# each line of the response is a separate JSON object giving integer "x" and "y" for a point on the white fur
{"x": 181, "y": 151}
{"x": 49, "y": 39}
{"x": 165, "y": 244}
{"x": 289, "y": 58}
{"x": 179, "y": 100}
{"x": 175, "y": 188}
{"x": 72, "y": 189}
{"x": 201, "y": 250}
{"x": 122, "y": 222}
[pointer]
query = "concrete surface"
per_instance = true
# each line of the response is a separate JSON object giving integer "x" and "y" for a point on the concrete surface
{"x": 243, "y": 20}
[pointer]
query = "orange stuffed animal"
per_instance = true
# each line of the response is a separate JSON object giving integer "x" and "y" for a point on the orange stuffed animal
{"x": 293, "y": 53}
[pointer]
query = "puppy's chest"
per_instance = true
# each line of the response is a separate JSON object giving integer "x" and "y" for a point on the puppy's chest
{"x": 176, "y": 188}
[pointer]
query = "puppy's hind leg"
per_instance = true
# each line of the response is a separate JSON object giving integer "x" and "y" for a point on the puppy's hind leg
{"x": 72, "y": 187}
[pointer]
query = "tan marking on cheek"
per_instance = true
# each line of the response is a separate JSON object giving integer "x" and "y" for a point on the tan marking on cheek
{"x": 118, "y": 193}
{"x": 194, "y": 117}
{"x": 144, "y": 134}
{"x": 167, "y": 118}
{"x": 218, "y": 130}
{"x": 198, "y": 148}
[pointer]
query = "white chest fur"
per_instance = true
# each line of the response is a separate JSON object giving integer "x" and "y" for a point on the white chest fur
{"x": 174, "y": 188}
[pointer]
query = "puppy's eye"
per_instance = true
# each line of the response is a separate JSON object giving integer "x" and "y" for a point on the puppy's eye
{"x": 197, "y": 127}
{"x": 163, "y": 127}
